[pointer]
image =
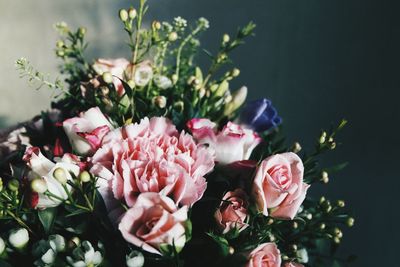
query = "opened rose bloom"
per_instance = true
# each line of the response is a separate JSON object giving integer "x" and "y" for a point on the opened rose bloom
{"x": 266, "y": 254}
{"x": 44, "y": 169}
{"x": 86, "y": 132}
{"x": 278, "y": 187}
{"x": 232, "y": 212}
{"x": 233, "y": 143}
{"x": 154, "y": 221}
{"x": 151, "y": 156}
{"x": 116, "y": 67}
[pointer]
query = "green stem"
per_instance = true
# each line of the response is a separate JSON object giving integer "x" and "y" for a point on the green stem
{"x": 137, "y": 37}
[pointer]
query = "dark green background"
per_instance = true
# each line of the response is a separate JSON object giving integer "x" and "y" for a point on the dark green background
{"x": 319, "y": 61}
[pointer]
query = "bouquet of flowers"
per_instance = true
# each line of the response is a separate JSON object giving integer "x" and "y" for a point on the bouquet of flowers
{"x": 154, "y": 161}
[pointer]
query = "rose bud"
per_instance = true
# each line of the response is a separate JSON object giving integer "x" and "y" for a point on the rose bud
{"x": 267, "y": 252}
{"x": 232, "y": 212}
{"x": 19, "y": 238}
{"x": 260, "y": 115}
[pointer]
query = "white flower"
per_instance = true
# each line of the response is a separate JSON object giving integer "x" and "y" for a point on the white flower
{"x": 85, "y": 256}
{"x": 57, "y": 243}
{"x": 49, "y": 257}
{"x": 143, "y": 74}
{"x": 2, "y": 246}
{"x": 162, "y": 82}
{"x": 19, "y": 238}
{"x": 135, "y": 259}
{"x": 302, "y": 255}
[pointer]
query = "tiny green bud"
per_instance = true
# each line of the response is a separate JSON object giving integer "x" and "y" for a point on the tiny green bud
{"x": 322, "y": 138}
{"x": 322, "y": 226}
{"x": 341, "y": 203}
{"x": 174, "y": 78}
{"x": 60, "y": 175}
{"x": 270, "y": 221}
{"x": 309, "y": 216}
{"x": 123, "y": 15}
{"x": 60, "y": 53}
{"x": 328, "y": 208}
{"x": 295, "y": 225}
{"x": 285, "y": 258}
{"x": 156, "y": 25}
{"x": 173, "y": 36}
{"x": 132, "y": 13}
{"x": 333, "y": 145}
{"x": 350, "y": 221}
{"x": 131, "y": 84}
{"x": 294, "y": 247}
{"x": 226, "y": 38}
{"x": 1, "y": 185}
{"x": 322, "y": 200}
{"x": 272, "y": 238}
{"x": 85, "y": 177}
{"x": 107, "y": 77}
{"x": 75, "y": 241}
{"x": 338, "y": 233}
{"x": 231, "y": 250}
{"x": 82, "y": 31}
{"x": 336, "y": 240}
{"x": 235, "y": 72}
{"x": 39, "y": 185}
{"x": 296, "y": 148}
{"x": 324, "y": 177}
{"x": 13, "y": 185}
{"x": 60, "y": 44}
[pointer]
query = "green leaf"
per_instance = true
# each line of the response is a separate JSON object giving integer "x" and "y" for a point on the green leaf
{"x": 47, "y": 218}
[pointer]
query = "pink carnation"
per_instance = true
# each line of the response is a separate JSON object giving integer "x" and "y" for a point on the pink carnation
{"x": 151, "y": 156}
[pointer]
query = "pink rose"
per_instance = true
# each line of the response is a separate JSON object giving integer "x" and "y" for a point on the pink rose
{"x": 116, "y": 67}
{"x": 266, "y": 254}
{"x": 45, "y": 168}
{"x": 151, "y": 156}
{"x": 86, "y": 132}
{"x": 233, "y": 143}
{"x": 278, "y": 185}
{"x": 232, "y": 212}
{"x": 154, "y": 221}
{"x": 293, "y": 264}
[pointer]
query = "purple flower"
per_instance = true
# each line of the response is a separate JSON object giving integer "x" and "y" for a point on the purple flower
{"x": 260, "y": 115}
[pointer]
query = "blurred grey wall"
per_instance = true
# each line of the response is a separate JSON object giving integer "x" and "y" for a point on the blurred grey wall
{"x": 319, "y": 61}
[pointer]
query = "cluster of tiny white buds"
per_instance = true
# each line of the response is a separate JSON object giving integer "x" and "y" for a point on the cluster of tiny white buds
{"x": 204, "y": 22}
{"x": 180, "y": 22}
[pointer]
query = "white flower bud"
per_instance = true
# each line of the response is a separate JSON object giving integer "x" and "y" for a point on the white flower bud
{"x": 162, "y": 82}
{"x": 1, "y": 185}
{"x": 132, "y": 13}
{"x": 302, "y": 255}
{"x": 49, "y": 257}
{"x": 107, "y": 77}
{"x": 60, "y": 175}
{"x": 235, "y": 72}
{"x": 226, "y": 38}
{"x": 85, "y": 177}
{"x": 39, "y": 185}
{"x": 57, "y": 243}
{"x": 135, "y": 259}
{"x": 160, "y": 101}
{"x": 143, "y": 75}
{"x": 19, "y": 238}
{"x": 123, "y": 15}
{"x": 173, "y": 36}
{"x": 2, "y": 246}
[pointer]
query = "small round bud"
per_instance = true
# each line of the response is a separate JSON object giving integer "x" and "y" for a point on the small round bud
{"x": 285, "y": 258}
{"x": 123, "y": 15}
{"x": 39, "y": 185}
{"x": 60, "y": 175}
{"x": 325, "y": 179}
{"x": 296, "y": 148}
{"x": 13, "y": 185}
{"x": 231, "y": 250}
{"x": 226, "y": 38}
{"x": 75, "y": 241}
{"x": 322, "y": 138}
{"x": 156, "y": 25}
{"x": 107, "y": 77}
{"x": 1, "y": 185}
{"x": 85, "y": 177}
{"x": 60, "y": 44}
{"x": 190, "y": 80}
{"x": 341, "y": 203}
{"x": 60, "y": 53}
{"x": 174, "y": 78}
{"x": 332, "y": 145}
{"x": 131, "y": 84}
{"x": 160, "y": 101}
{"x": 270, "y": 221}
{"x": 328, "y": 208}
{"x": 309, "y": 216}
{"x": 322, "y": 200}
{"x": 105, "y": 90}
{"x": 173, "y": 36}
{"x": 322, "y": 226}
{"x": 294, "y": 247}
{"x": 336, "y": 240}
{"x": 82, "y": 31}
{"x": 19, "y": 238}
{"x": 132, "y": 13}
{"x": 272, "y": 238}
{"x": 350, "y": 221}
{"x": 2, "y": 245}
{"x": 295, "y": 225}
{"x": 235, "y": 72}
{"x": 338, "y": 233}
